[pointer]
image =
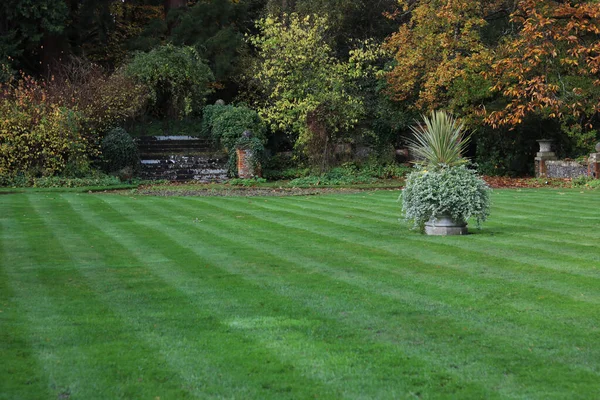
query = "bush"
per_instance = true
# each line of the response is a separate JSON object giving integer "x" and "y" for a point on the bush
{"x": 119, "y": 151}
{"x": 456, "y": 191}
{"x": 50, "y": 128}
{"x": 15, "y": 180}
{"x": 385, "y": 171}
{"x": 286, "y": 174}
{"x": 226, "y": 123}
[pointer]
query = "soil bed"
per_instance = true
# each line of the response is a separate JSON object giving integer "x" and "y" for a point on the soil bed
{"x": 272, "y": 188}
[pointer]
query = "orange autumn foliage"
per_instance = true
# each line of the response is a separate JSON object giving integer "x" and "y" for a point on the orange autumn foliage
{"x": 551, "y": 66}
{"x": 438, "y": 45}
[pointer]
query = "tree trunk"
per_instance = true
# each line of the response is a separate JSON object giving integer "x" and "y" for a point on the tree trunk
{"x": 173, "y": 4}
{"x": 51, "y": 52}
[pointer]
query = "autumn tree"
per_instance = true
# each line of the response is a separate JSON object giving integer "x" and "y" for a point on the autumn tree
{"x": 551, "y": 68}
{"x": 439, "y": 53}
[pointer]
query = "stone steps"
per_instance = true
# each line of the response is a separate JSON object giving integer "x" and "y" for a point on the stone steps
{"x": 181, "y": 158}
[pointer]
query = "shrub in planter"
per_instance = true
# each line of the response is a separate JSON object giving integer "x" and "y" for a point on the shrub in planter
{"x": 457, "y": 192}
{"x": 443, "y": 190}
{"x": 119, "y": 151}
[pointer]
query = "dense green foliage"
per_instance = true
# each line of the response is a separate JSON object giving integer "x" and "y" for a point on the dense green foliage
{"x": 106, "y": 297}
{"x": 213, "y": 29}
{"x": 62, "y": 182}
{"x": 226, "y": 123}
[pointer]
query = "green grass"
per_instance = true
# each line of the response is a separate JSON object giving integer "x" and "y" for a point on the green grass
{"x": 107, "y": 296}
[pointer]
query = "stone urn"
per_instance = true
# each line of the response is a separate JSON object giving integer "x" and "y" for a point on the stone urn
{"x": 545, "y": 145}
{"x": 444, "y": 225}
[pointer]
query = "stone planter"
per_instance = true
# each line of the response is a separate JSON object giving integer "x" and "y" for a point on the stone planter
{"x": 545, "y": 154}
{"x": 444, "y": 225}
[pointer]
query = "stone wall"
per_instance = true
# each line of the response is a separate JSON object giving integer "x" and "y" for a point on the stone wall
{"x": 565, "y": 169}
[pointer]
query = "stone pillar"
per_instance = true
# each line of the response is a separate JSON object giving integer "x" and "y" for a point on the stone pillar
{"x": 594, "y": 166}
{"x": 545, "y": 154}
{"x": 246, "y": 167}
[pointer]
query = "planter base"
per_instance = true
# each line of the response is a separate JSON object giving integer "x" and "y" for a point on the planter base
{"x": 445, "y": 226}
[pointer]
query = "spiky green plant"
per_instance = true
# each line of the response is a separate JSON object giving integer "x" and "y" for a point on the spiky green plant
{"x": 439, "y": 140}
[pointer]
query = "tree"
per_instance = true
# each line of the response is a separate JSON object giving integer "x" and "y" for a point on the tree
{"x": 306, "y": 91}
{"x": 348, "y": 19}
{"x": 174, "y": 4}
{"x": 177, "y": 78}
{"x": 28, "y": 30}
{"x": 551, "y": 68}
{"x": 214, "y": 28}
{"x": 39, "y": 35}
{"x": 439, "y": 53}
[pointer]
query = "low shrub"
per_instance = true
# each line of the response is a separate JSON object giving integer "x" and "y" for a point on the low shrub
{"x": 59, "y": 181}
{"x": 585, "y": 182}
{"x": 15, "y": 180}
{"x": 286, "y": 174}
{"x": 337, "y": 176}
{"x": 119, "y": 151}
{"x": 380, "y": 171}
{"x": 246, "y": 182}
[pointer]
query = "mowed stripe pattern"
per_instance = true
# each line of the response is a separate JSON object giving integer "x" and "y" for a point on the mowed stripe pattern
{"x": 115, "y": 296}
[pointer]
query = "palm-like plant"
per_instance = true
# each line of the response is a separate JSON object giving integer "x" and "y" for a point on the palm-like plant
{"x": 440, "y": 140}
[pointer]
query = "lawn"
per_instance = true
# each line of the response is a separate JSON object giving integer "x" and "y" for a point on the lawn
{"x": 108, "y": 296}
